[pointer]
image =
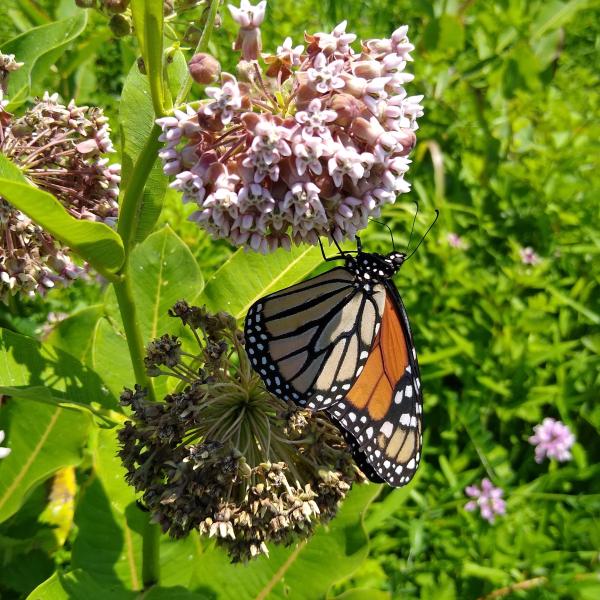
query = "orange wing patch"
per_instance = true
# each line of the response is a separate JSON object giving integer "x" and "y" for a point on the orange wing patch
{"x": 386, "y": 363}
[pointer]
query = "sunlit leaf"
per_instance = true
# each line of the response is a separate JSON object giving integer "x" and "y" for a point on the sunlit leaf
{"x": 39, "y": 48}
{"x": 248, "y": 276}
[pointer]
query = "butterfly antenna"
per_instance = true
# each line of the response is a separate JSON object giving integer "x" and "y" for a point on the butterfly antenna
{"x": 437, "y": 214}
{"x": 388, "y": 228}
{"x": 413, "y": 225}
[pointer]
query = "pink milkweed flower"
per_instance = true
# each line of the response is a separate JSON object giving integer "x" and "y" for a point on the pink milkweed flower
{"x": 226, "y": 100}
{"x": 325, "y": 131}
{"x": 314, "y": 119}
{"x": 347, "y": 161}
{"x": 308, "y": 151}
{"x": 289, "y": 53}
{"x": 326, "y": 76}
{"x": 248, "y": 16}
{"x": 552, "y": 439}
{"x": 529, "y": 256}
{"x": 338, "y": 41}
{"x": 487, "y": 498}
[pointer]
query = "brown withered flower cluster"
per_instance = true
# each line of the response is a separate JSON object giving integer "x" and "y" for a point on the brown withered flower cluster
{"x": 221, "y": 454}
{"x": 62, "y": 150}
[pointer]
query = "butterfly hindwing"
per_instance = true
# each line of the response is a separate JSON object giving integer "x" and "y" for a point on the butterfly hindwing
{"x": 309, "y": 341}
{"x": 382, "y": 412}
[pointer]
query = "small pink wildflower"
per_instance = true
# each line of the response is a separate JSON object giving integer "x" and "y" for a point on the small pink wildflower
{"x": 552, "y": 439}
{"x": 487, "y": 498}
{"x": 456, "y": 241}
{"x": 529, "y": 256}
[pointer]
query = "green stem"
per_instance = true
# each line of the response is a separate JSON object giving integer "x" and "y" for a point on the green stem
{"x": 202, "y": 46}
{"x": 132, "y": 333}
{"x": 150, "y": 555}
{"x": 131, "y": 203}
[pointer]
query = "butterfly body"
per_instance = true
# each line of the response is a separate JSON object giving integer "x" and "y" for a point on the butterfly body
{"x": 341, "y": 342}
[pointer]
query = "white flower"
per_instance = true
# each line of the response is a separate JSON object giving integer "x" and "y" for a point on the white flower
{"x": 4, "y": 452}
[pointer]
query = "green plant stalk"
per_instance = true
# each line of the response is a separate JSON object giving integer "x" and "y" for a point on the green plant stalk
{"x": 201, "y": 47}
{"x": 150, "y": 555}
{"x": 127, "y": 227}
{"x": 135, "y": 342}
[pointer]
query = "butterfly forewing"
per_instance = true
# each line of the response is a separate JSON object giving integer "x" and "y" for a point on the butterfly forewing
{"x": 309, "y": 341}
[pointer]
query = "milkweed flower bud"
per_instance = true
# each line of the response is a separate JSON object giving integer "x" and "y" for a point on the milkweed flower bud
{"x": 204, "y": 68}
{"x": 222, "y": 455}
{"x": 61, "y": 149}
{"x": 323, "y": 115}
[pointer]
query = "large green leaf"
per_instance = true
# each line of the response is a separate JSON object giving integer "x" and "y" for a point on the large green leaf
{"x": 93, "y": 338}
{"x": 78, "y": 585}
{"x": 307, "y": 570}
{"x": 76, "y": 334}
{"x": 95, "y": 242}
{"x": 43, "y": 439}
{"x": 110, "y": 527}
{"x": 248, "y": 276}
{"x": 39, "y": 48}
{"x": 163, "y": 270}
{"x": 140, "y": 140}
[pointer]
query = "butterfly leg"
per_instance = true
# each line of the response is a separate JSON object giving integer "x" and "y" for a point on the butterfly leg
{"x": 330, "y": 258}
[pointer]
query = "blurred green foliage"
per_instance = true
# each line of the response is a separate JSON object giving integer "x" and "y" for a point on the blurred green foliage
{"x": 508, "y": 152}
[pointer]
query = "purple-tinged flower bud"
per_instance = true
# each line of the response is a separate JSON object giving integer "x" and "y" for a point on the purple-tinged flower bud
{"x": 116, "y": 6}
{"x": 347, "y": 108}
{"x": 204, "y": 68}
{"x": 367, "y": 69}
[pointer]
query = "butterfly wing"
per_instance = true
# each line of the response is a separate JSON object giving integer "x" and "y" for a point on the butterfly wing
{"x": 308, "y": 342}
{"x": 382, "y": 412}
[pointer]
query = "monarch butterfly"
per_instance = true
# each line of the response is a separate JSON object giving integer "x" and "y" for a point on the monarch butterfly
{"x": 341, "y": 342}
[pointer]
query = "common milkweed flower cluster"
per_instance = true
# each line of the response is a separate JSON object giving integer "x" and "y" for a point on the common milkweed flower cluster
{"x": 311, "y": 141}
{"x": 552, "y": 439}
{"x": 223, "y": 455}
{"x": 487, "y": 498}
{"x": 61, "y": 149}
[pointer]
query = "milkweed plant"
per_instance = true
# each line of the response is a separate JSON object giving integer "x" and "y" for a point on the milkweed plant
{"x": 135, "y": 409}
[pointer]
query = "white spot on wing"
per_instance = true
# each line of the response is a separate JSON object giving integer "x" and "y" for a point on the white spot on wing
{"x": 387, "y": 428}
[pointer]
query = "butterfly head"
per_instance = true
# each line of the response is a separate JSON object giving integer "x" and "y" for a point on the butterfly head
{"x": 375, "y": 266}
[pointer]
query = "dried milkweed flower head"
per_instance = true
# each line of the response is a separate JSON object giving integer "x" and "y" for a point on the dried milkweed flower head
{"x": 62, "y": 150}
{"x": 221, "y": 454}
{"x": 307, "y": 142}
{"x": 552, "y": 439}
{"x": 487, "y": 498}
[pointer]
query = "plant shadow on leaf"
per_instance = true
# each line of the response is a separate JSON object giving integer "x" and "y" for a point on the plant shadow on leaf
{"x": 31, "y": 364}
